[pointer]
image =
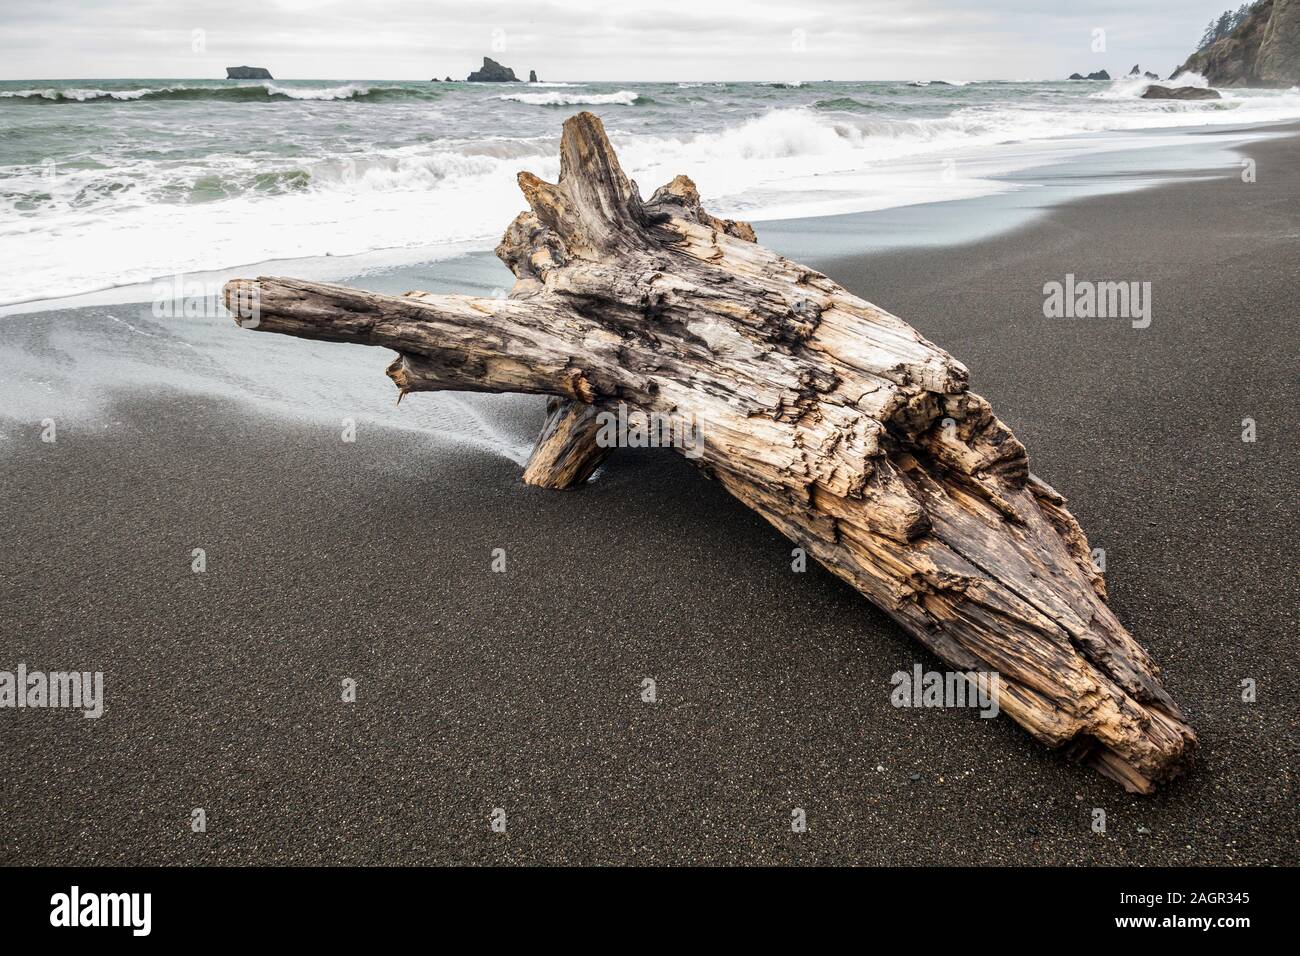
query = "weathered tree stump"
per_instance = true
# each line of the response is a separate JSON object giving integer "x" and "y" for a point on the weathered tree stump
{"x": 837, "y": 422}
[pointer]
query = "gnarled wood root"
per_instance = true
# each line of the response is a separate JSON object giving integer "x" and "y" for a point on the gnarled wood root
{"x": 853, "y": 435}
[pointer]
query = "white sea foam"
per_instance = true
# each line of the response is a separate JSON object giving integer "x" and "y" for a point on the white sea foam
{"x": 344, "y": 92}
{"x": 94, "y": 226}
{"x": 621, "y": 98}
{"x": 107, "y": 352}
{"x": 1132, "y": 87}
{"x": 80, "y": 96}
{"x": 226, "y": 90}
{"x": 400, "y": 199}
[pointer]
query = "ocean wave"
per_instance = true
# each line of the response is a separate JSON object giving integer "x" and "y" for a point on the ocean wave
{"x": 843, "y": 104}
{"x": 621, "y": 98}
{"x": 74, "y": 96}
{"x": 246, "y": 93}
{"x": 147, "y": 207}
{"x": 1132, "y": 87}
{"x": 349, "y": 91}
{"x": 830, "y": 147}
{"x": 776, "y": 134}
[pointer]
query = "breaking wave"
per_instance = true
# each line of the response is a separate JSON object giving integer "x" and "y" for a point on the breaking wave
{"x": 124, "y": 198}
{"x": 621, "y": 98}
{"x": 1132, "y": 87}
{"x": 247, "y": 93}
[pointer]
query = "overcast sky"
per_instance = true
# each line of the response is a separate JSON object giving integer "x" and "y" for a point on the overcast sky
{"x": 589, "y": 40}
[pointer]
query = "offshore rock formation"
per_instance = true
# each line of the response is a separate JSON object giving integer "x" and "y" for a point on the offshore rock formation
{"x": 1180, "y": 93}
{"x": 492, "y": 72}
{"x": 248, "y": 73}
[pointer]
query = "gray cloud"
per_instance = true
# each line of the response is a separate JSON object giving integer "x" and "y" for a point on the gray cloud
{"x": 589, "y": 40}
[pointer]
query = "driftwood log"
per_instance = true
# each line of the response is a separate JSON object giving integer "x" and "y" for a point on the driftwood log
{"x": 836, "y": 421}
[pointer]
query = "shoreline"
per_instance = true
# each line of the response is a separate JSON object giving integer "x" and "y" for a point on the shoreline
{"x": 520, "y": 690}
{"x": 1022, "y": 180}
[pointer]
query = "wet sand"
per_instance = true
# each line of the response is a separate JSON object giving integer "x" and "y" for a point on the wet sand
{"x": 522, "y": 690}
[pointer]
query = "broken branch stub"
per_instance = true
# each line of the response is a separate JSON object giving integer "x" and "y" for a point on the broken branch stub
{"x": 836, "y": 421}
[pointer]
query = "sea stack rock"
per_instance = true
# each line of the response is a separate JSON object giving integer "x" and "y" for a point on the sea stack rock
{"x": 248, "y": 73}
{"x": 1137, "y": 71}
{"x": 1263, "y": 50}
{"x": 1099, "y": 75}
{"x": 532, "y": 76}
{"x": 492, "y": 72}
{"x": 1180, "y": 93}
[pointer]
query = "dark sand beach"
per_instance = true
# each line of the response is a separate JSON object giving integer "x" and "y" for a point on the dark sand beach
{"x": 479, "y": 690}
